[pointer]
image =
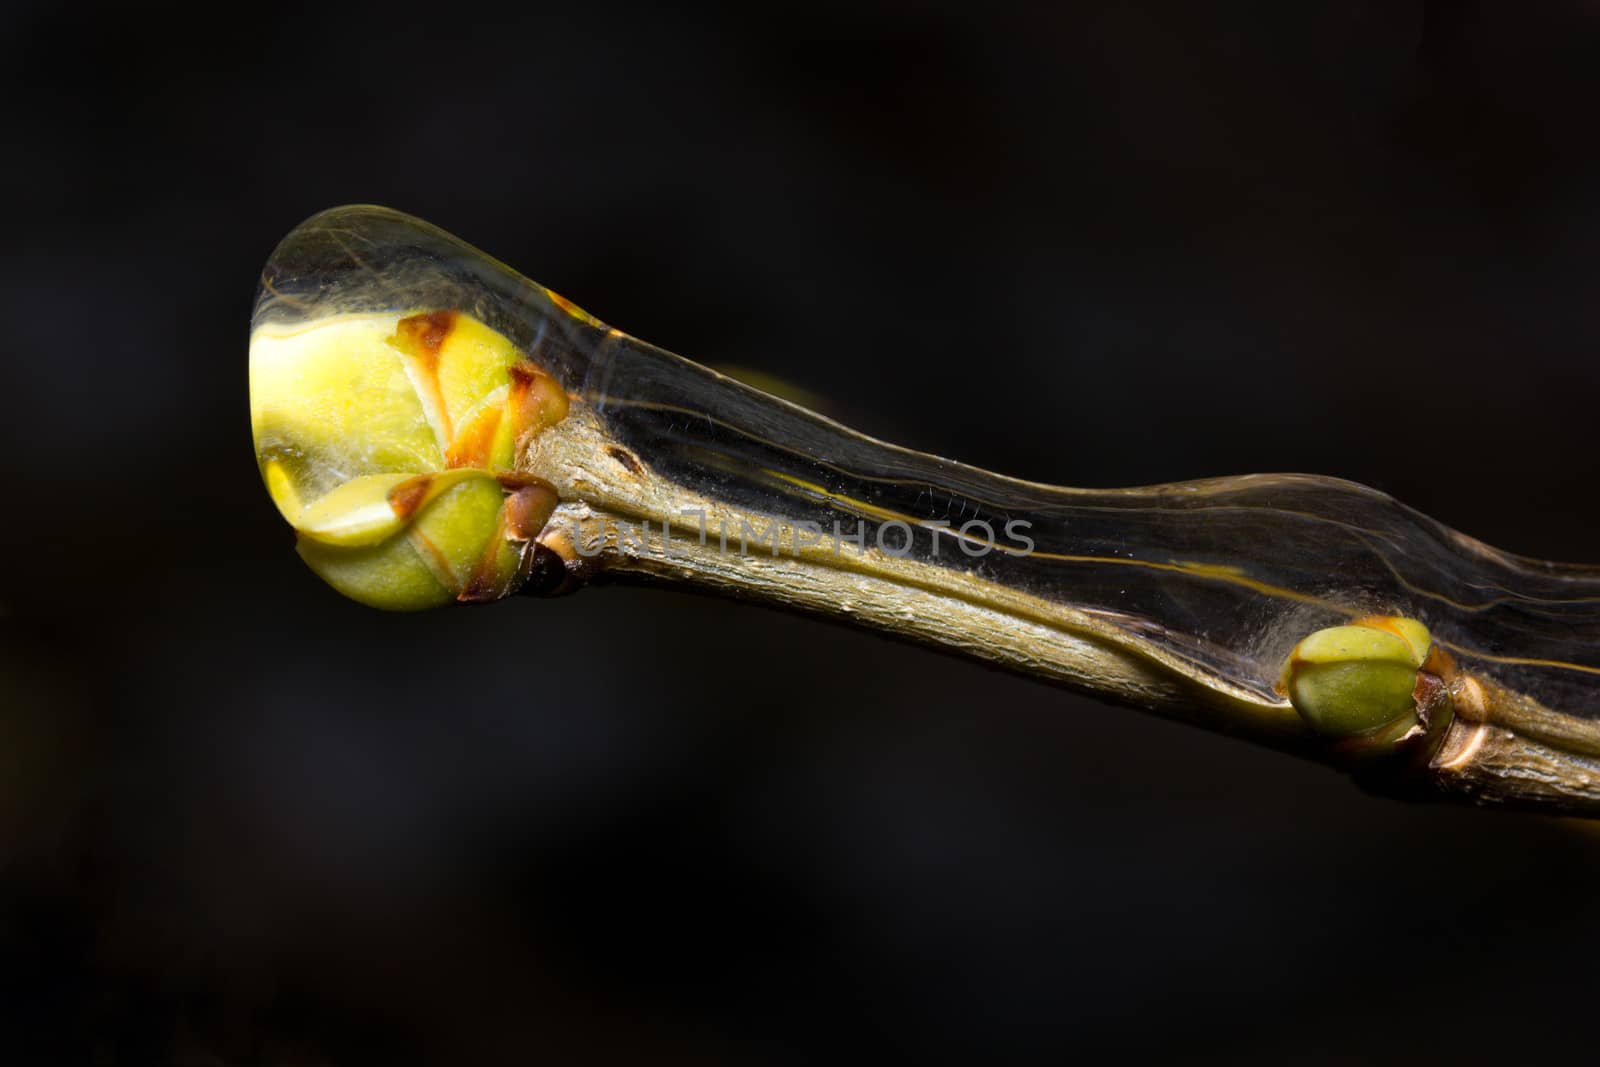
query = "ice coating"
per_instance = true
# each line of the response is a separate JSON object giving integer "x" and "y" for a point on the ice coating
{"x": 1212, "y": 581}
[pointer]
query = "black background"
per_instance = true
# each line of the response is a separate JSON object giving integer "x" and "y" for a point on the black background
{"x": 244, "y": 821}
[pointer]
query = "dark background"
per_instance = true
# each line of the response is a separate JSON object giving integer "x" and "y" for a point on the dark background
{"x": 244, "y": 821}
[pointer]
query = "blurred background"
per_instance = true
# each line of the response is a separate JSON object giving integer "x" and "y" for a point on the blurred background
{"x": 1125, "y": 242}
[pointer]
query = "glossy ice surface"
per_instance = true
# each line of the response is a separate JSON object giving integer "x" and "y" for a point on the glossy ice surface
{"x": 1218, "y": 579}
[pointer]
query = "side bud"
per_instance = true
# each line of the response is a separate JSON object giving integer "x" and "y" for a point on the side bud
{"x": 1369, "y": 685}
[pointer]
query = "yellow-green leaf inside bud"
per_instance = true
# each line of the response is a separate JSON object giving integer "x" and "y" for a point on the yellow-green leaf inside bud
{"x": 373, "y": 507}
{"x": 330, "y": 402}
{"x": 387, "y": 441}
{"x": 1358, "y": 679}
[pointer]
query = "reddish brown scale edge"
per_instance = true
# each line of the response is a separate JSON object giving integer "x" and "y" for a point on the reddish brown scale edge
{"x": 425, "y": 334}
{"x": 536, "y": 400}
{"x": 526, "y": 510}
{"x": 408, "y": 496}
{"x": 471, "y": 446}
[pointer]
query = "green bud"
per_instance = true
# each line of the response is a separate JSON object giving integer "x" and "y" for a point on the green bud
{"x": 387, "y": 441}
{"x": 1359, "y": 680}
